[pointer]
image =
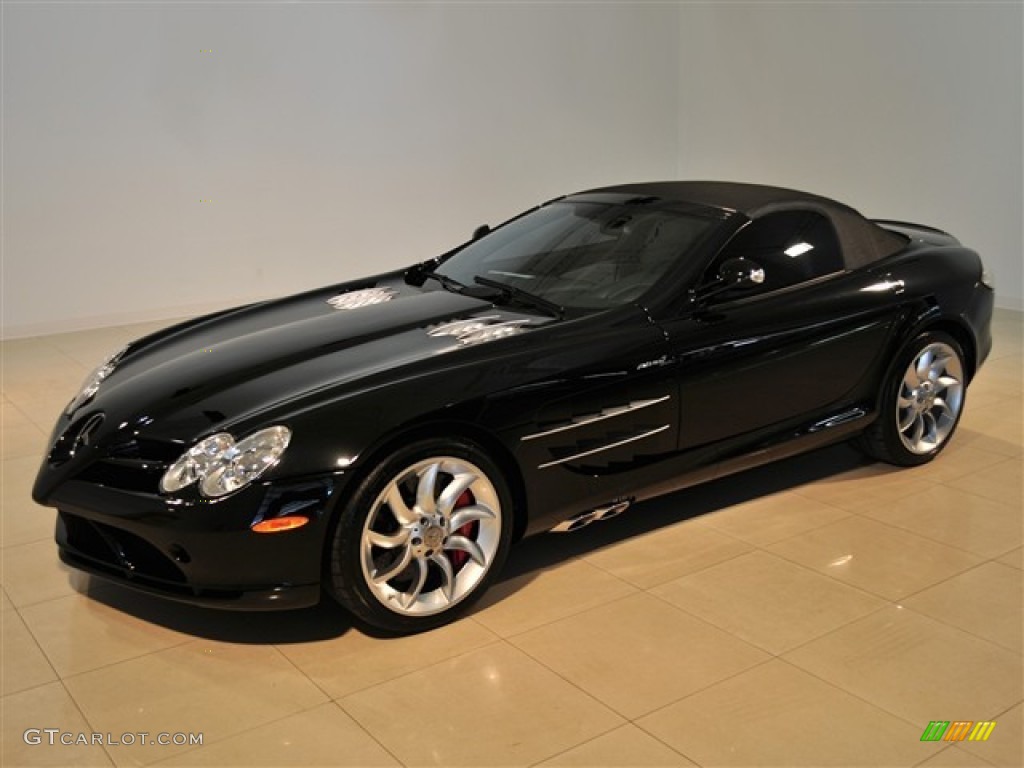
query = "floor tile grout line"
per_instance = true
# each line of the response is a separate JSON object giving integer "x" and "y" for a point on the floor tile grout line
{"x": 868, "y": 592}
{"x": 288, "y": 659}
{"x": 20, "y": 543}
{"x": 988, "y": 561}
{"x": 711, "y": 624}
{"x": 952, "y": 748}
{"x": 999, "y": 559}
{"x": 887, "y": 598}
{"x": 33, "y": 687}
{"x": 1007, "y": 460}
{"x": 179, "y": 644}
{"x": 848, "y": 692}
{"x": 18, "y": 453}
{"x": 88, "y": 722}
{"x": 932, "y": 538}
{"x": 601, "y": 736}
{"x": 761, "y": 545}
{"x": 645, "y": 715}
{"x": 696, "y": 570}
{"x": 31, "y": 634}
{"x": 1007, "y": 710}
{"x": 259, "y": 726}
{"x": 887, "y": 605}
{"x": 385, "y": 681}
{"x": 749, "y": 543}
{"x": 988, "y": 640}
{"x": 854, "y": 694}
{"x": 514, "y": 649}
{"x": 575, "y": 612}
{"x": 654, "y": 736}
{"x": 636, "y": 591}
{"x": 191, "y": 749}
{"x": 899, "y": 606}
{"x": 981, "y": 559}
{"x": 886, "y": 602}
{"x": 811, "y": 569}
{"x": 603, "y": 704}
{"x": 45, "y": 599}
{"x": 366, "y": 730}
{"x": 612, "y": 708}
{"x": 331, "y": 700}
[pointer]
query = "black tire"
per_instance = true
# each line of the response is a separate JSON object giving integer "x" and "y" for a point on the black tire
{"x": 440, "y": 594}
{"x": 884, "y": 439}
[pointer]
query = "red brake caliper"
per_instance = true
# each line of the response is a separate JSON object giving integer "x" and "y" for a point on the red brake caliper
{"x": 457, "y": 557}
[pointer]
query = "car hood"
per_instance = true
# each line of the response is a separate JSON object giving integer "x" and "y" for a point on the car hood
{"x": 218, "y": 371}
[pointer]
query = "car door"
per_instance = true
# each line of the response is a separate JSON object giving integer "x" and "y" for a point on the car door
{"x": 754, "y": 365}
{"x": 595, "y": 431}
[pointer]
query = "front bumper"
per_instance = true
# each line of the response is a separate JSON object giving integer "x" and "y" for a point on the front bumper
{"x": 200, "y": 553}
{"x": 280, "y": 598}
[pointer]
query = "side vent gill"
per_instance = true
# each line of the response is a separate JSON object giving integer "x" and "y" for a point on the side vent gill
{"x": 364, "y": 297}
{"x": 478, "y": 329}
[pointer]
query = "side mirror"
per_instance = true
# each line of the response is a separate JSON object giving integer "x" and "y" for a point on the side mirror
{"x": 483, "y": 229}
{"x": 732, "y": 274}
{"x": 735, "y": 273}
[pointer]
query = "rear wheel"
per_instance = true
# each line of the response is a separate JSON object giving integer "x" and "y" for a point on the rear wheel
{"x": 426, "y": 533}
{"x": 921, "y": 403}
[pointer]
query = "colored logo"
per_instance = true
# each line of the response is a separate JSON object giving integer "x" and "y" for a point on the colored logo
{"x": 958, "y": 730}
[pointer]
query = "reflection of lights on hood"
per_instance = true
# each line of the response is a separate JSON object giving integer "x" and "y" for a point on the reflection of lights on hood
{"x": 798, "y": 250}
{"x": 840, "y": 561}
{"x": 362, "y": 298}
{"x": 885, "y": 285}
{"x": 346, "y": 461}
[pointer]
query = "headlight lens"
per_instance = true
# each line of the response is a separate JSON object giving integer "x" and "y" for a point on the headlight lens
{"x": 220, "y": 465}
{"x": 196, "y": 462}
{"x": 92, "y": 382}
{"x": 249, "y": 459}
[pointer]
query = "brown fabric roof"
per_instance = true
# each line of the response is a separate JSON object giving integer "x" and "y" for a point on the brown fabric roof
{"x": 862, "y": 241}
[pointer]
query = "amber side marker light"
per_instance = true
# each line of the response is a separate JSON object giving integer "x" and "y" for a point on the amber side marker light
{"x": 278, "y": 524}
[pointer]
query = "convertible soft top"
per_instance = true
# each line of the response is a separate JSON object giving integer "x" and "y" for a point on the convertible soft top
{"x": 862, "y": 241}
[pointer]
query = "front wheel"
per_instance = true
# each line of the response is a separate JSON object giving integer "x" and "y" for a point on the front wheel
{"x": 921, "y": 403}
{"x": 426, "y": 533}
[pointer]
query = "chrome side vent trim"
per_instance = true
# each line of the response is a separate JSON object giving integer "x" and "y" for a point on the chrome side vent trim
{"x": 839, "y": 419}
{"x": 604, "y": 413}
{"x": 583, "y": 519}
{"x": 601, "y": 449}
{"x": 364, "y": 297}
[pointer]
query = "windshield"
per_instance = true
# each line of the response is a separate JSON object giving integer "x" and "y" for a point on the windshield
{"x": 581, "y": 255}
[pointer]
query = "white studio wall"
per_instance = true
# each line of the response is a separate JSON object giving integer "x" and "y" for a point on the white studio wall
{"x": 903, "y": 110}
{"x": 165, "y": 159}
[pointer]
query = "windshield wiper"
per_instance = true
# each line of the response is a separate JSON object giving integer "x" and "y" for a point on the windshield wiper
{"x": 450, "y": 283}
{"x": 524, "y": 296}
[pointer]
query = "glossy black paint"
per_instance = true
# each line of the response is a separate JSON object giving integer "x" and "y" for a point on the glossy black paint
{"x": 712, "y": 387}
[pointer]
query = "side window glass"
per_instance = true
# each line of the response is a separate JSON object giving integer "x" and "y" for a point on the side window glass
{"x": 792, "y": 247}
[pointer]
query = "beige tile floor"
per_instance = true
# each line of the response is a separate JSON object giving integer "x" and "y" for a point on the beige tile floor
{"x": 816, "y": 613}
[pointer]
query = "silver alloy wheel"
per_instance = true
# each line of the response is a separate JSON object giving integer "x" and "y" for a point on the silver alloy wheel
{"x": 431, "y": 536}
{"x": 930, "y": 397}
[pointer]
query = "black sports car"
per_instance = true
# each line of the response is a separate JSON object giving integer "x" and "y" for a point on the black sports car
{"x": 388, "y": 439}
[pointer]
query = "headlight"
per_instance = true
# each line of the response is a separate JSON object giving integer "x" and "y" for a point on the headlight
{"x": 220, "y": 465}
{"x": 92, "y": 382}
